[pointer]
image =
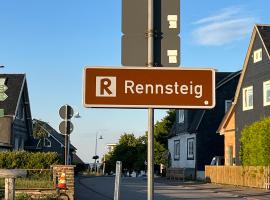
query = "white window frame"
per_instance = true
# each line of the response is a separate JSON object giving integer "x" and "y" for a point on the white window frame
{"x": 176, "y": 150}
{"x": 50, "y": 143}
{"x": 181, "y": 117}
{"x": 266, "y": 86}
{"x": 245, "y": 94}
{"x": 257, "y": 55}
{"x": 190, "y": 148}
{"x": 228, "y": 104}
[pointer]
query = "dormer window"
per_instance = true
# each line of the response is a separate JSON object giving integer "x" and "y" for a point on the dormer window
{"x": 181, "y": 117}
{"x": 257, "y": 55}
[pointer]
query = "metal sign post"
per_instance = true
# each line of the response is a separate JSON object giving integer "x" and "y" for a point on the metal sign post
{"x": 150, "y": 148}
{"x": 66, "y": 127}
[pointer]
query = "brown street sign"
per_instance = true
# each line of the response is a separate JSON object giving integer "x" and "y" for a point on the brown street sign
{"x": 143, "y": 87}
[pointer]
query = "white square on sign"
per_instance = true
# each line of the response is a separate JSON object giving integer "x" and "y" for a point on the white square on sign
{"x": 105, "y": 86}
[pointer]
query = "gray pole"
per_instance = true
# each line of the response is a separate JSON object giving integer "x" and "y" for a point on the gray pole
{"x": 66, "y": 137}
{"x": 117, "y": 183}
{"x": 150, "y": 152}
{"x": 96, "y": 155}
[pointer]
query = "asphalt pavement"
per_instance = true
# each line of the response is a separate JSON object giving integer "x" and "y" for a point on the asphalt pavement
{"x": 102, "y": 188}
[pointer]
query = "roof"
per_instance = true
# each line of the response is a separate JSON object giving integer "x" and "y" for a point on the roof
{"x": 15, "y": 83}
{"x": 57, "y": 136}
{"x": 77, "y": 159}
{"x": 263, "y": 31}
{"x": 198, "y": 114}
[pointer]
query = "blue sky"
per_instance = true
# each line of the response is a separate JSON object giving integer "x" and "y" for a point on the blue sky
{"x": 51, "y": 41}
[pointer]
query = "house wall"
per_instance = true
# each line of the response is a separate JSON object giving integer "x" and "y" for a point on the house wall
{"x": 20, "y": 129}
{"x": 229, "y": 140}
{"x": 59, "y": 148}
{"x": 256, "y": 74}
{"x": 5, "y": 130}
{"x": 183, "y": 162}
{"x": 209, "y": 142}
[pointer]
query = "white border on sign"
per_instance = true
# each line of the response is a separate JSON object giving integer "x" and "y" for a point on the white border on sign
{"x": 150, "y": 106}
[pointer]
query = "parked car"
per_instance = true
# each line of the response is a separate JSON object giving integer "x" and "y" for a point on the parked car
{"x": 218, "y": 160}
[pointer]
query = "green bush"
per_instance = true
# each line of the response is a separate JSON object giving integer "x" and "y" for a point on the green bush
{"x": 22, "y": 197}
{"x": 255, "y": 143}
{"x": 27, "y": 160}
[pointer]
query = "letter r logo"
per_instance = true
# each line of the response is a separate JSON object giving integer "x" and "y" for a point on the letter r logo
{"x": 105, "y": 86}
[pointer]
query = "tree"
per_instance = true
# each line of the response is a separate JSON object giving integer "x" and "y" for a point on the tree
{"x": 162, "y": 131}
{"x": 39, "y": 131}
{"x": 131, "y": 151}
{"x": 255, "y": 144}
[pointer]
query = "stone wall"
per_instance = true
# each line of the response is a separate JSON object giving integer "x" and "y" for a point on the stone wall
{"x": 69, "y": 171}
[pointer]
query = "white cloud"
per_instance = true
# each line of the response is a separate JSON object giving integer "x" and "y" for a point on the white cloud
{"x": 227, "y": 26}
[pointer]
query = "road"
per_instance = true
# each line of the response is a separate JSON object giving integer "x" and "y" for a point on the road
{"x": 102, "y": 188}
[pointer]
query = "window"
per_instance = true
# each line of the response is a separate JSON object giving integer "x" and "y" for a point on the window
{"x": 47, "y": 142}
{"x": 257, "y": 55}
{"x": 266, "y": 93}
{"x": 181, "y": 116}
{"x": 16, "y": 143}
{"x": 20, "y": 112}
{"x": 248, "y": 98}
{"x": 176, "y": 149}
{"x": 228, "y": 104}
{"x": 190, "y": 148}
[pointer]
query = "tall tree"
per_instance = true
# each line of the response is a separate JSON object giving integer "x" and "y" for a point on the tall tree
{"x": 162, "y": 131}
{"x": 131, "y": 151}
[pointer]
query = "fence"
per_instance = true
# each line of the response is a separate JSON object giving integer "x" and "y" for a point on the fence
{"x": 35, "y": 179}
{"x": 249, "y": 176}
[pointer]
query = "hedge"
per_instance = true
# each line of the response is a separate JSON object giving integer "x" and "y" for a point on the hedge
{"x": 27, "y": 160}
{"x": 255, "y": 143}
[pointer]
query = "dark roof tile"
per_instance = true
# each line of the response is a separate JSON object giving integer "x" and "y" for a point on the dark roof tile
{"x": 265, "y": 33}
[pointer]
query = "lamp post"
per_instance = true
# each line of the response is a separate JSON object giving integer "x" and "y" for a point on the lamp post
{"x": 96, "y": 156}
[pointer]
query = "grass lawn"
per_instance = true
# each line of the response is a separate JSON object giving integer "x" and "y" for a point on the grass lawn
{"x": 28, "y": 183}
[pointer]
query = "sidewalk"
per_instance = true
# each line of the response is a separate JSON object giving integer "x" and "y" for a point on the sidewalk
{"x": 243, "y": 192}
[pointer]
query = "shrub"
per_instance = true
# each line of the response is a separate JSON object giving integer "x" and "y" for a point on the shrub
{"x": 27, "y": 160}
{"x": 255, "y": 143}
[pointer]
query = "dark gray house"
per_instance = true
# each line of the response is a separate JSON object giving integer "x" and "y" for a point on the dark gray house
{"x": 193, "y": 141}
{"x": 252, "y": 97}
{"x": 54, "y": 142}
{"x": 15, "y": 119}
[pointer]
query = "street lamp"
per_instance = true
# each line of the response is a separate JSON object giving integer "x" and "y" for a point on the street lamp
{"x": 77, "y": 115}
{"x": 96, "y": 156}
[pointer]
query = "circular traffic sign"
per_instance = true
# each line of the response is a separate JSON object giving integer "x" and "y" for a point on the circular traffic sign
{"x": 66, "y": 127}
{"x": 66, "y": 112}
